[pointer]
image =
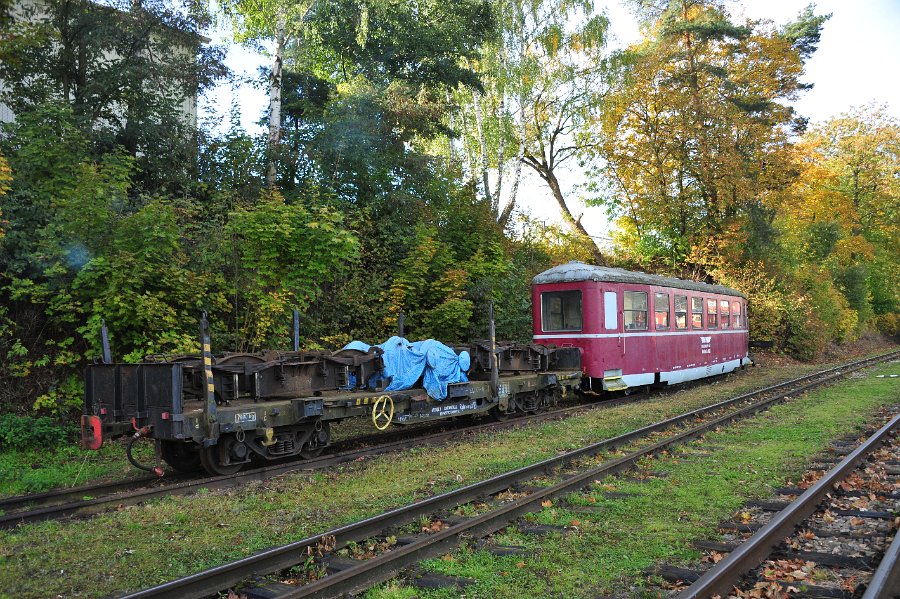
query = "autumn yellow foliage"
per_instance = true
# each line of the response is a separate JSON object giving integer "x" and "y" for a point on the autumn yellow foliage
{"x": 5, "y": 179}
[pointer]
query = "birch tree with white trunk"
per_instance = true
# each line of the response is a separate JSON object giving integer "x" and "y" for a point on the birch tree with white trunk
{"x": 280, "y": 23}
{"x": 543, "y": 78}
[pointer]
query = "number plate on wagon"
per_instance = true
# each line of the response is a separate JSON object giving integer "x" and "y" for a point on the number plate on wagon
{"x": 244, "y": 417}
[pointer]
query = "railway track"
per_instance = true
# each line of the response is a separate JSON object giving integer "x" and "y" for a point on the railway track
{"x": 821, "y": 531}
{"x": 35, "y": 501}
{"x": 506, "y": 497}
{"x": 92, "y": 499}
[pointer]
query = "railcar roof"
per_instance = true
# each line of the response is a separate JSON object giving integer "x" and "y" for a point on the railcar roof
{"x": 575, "y": 271}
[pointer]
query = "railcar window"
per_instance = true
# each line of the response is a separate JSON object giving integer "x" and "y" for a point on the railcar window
{"x": 561, "y": 311}
{"x": 712, "y": 316}
{"x": 610, "y": 311}
{"x": 697, "y": 312}
{"x": 736, "y": 315}
{"x": 723, "y": 310}
{"x": 680, "y": 311}
{"x": 634, "y": 307}
{"x": 661, "y": 310}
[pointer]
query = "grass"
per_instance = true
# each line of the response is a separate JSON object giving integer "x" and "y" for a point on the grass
{"x": 37, "y": 470}
{"x": 609, "y": 549}
{"x": 143, "y": 545}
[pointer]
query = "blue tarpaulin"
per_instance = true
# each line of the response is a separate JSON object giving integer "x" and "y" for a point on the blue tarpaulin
{"x": 442, "y": 367}
{"x": 431, "y": 361}
{"x": 403, "y": 363}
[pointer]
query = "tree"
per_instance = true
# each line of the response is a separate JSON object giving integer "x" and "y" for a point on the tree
{"x": 126, "y": 70}
{"x": 424, "y": 43}
{"x": 282, "y": 23}
{"x": 842, "y": 213}
{"x": 695, "y": 135}
{"x": 286, "y": 253}
{"x": 5, "y": 178}
{"x": 544, "y": 78}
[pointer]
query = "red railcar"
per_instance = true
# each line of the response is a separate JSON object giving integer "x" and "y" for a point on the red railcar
{"x": 638, "y": 329}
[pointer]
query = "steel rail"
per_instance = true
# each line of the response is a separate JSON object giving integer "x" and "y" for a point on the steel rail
{"x": 885, "y": 583}
{"x": 381, "y": 568}
{"x": 719, "y": 579}
{"x": 61, "y": 495}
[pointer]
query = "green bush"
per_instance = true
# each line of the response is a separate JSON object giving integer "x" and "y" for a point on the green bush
{"x": 889, "y": 324}
{"x": 29, "y": 432}
{"x": 62, "y": 399}
{"x": 806, "y": 332}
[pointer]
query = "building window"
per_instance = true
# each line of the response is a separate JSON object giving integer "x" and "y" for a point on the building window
{"x": 634, "y": 306}
{"x": 680, "y": 311}
{"x": 697, "y": 312}
{"x": 561, "y": 311}
{"x": 723, "y": 310}
{"x": 712, "y": 317}
{"x": 661, "y": 310}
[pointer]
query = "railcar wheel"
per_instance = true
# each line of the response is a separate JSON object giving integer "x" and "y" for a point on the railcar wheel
{"x": 212, "y": 461}
{"x": 317, "y": 442}
{"x": 499, "y": 414}
{"x": 182, "y": 457}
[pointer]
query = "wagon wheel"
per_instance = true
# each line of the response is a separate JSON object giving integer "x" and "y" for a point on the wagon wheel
{"x": 317, "y": 442}
{"x": 383, "y": 412}
{"x": 499, "y": 414}
{"x": 214, "y": 464}
{"x": 182, "y": 457}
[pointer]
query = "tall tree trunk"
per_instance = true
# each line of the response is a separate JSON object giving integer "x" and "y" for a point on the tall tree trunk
{"x": 501, "y": 158}
{"x": 545, "y": 170}
{"x": 503, "y": 220}
{"x": 482, "y": 143}
{"x": 275, "y": 98}
{"x": 451, "y": 145}
{"x": 521, "y": 130}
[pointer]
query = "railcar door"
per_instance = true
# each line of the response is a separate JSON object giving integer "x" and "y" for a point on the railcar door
{"x": 612, "y": 340}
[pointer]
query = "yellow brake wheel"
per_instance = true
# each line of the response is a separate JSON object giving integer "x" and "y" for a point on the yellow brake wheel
{"x": 383, "y": 412}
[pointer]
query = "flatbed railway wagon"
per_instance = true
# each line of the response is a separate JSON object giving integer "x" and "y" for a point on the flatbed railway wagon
{"x": 636, "y": 329}
{"x": 219, "y": 413}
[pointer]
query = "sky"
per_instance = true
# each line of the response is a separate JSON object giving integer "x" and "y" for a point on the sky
{"x": 857, "y": 62}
